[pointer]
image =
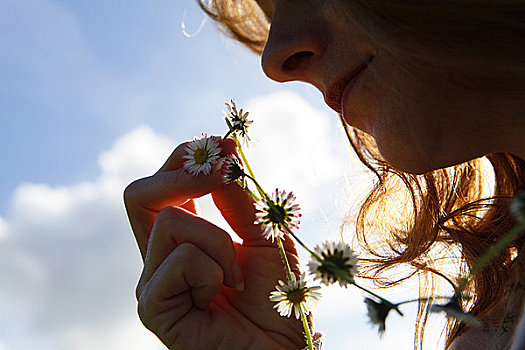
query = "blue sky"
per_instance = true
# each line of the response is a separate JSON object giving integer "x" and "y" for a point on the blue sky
{"x": 76, "y": 69}
{"x": 94, "y": 94}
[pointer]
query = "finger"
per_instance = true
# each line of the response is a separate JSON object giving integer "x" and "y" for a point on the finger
{"x": 174, "y": 227}
{"x": 144, "y": 198}
{"x": 237, "y": 208}
{"x": 187, "y": 275}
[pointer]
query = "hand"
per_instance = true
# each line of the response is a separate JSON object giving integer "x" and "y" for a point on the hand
{"x": 199, "y": 289}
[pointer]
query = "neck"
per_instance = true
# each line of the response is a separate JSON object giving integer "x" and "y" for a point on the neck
{"x": 512, "y": 128}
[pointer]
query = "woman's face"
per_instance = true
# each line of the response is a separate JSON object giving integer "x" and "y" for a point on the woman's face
{"x": 418, "y": 125}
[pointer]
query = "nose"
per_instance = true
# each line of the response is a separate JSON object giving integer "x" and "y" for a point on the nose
{"x": 294, "y": 49}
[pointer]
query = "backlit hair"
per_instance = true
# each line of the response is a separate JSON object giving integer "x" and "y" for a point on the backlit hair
{"x": 451, "y": 214}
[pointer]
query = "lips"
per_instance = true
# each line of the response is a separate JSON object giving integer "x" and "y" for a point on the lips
{"x": 334, "y": 93}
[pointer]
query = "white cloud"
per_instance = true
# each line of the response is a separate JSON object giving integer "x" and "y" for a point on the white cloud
{"x": 297, "y": 146}
{"x": 3, "y": 228}
{"x": 70, "y": 260}
{"x": 302, "y": 149}
{"x": 139, "y": 153}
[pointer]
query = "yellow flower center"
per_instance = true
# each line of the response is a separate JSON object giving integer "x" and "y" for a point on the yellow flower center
{"x": 296, "y": 296}
{"x": 277, "y": 214}
{"x": 200, "y": 155}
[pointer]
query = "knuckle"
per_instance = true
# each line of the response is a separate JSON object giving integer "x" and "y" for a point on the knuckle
{"x": 188, "y": 253}
{"x": 180, "y": 148}
{"x": 131, "y": 191}
{"x": 225, "y": 246}
{"x": 166, "y": 214}
{"x": 217, "y": 278}
{"x": 164, "y": 225}
{"x": 191, "y": 256}
{"x": 168, "y": 218}
{"x": 144, "y": 309}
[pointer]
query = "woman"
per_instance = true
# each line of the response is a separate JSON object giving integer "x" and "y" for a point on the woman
{"x": 425, "y": 88}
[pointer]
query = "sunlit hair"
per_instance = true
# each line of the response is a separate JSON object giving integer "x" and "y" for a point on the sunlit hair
{"x": 452, "y": 214}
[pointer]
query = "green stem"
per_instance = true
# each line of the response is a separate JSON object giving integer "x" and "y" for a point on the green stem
{"x": 243, "y": 157}
{"x": 231, "y": 131}
{"x": 314, "y": 254}
{"x": 227, "y": 134}
{"x": 289, "y": 272}
{"x": 254, "y": 196}
{"x": 287, "y": 267}
{"x": 307, "y": 331}
{"x": 258, "y": 187}
{"x": 251, "y": 176}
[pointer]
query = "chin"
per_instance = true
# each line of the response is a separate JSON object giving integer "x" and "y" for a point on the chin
{"x": 413, "y": 162}
{"x": 411, "y": 155}
{"x": 411, "y": 165}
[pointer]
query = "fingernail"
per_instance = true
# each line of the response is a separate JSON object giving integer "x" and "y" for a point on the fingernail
{"x": 240, "y": 286}
{"x": 238, "y": 278}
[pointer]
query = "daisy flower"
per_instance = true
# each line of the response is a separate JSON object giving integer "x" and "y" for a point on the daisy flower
{"x": 238, "y": 120}
{"x": 377, "y": 312}
{"x": 338, "y": 264}
{"x": 232, "y": 169}
{"x": 295, "y": 295}
{"x": 202, "y": 154}
{"x": 277, "y": 213}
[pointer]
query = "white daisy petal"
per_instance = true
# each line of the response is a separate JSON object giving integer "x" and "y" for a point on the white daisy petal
{"x": 201, "y": 155}
{"x": 295, "y": 295}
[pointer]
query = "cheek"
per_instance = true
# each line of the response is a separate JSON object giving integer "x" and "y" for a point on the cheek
{"x": 402, "y": 146}
{"x": 416, "y": 139}
{"x": 396, "y": 121}
{"x": 417, "y": 128}
{"x": 408, "y": 134}
{"x": 364, "y": 102}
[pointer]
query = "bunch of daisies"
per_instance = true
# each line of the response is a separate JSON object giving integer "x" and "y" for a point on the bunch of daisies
{"x": 278, "y": 215}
